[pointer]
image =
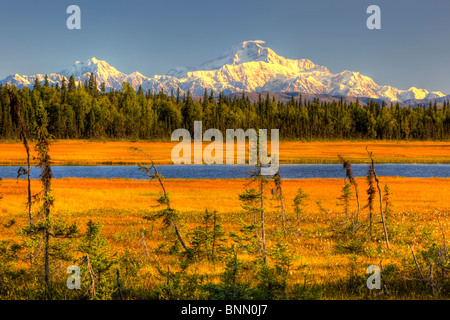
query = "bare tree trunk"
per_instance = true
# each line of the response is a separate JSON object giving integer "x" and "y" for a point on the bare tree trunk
{"x": 46, "y": 260}
{"x": 180, "y": 238}
{"x": 430, "y": 280}
{"x": 144, "y": 244}
{"x": 119, "y": 285}
{"x": 387, "y": 210}
{"x": 279, "y": 192}
{"x": 213, "y": 244}
{"x": 47, "y": 240}
{"x": 381, "y": 212}
{"x": 168, "y": 276}
{"x": 299, "y": 230}
{"x": 443, "y": 235}
{"x": 357, "y": 200}
{"x": 385, "y": 289}
{"x": 432, "y": 285}
{"x": 283, "y": 215}
{"x": 29, "y": 181}
{"x": 381, "y": 199}
{"x": 263, "y": 234}
{"x": 417, "y": 264}
{"x": 92, "y": 275}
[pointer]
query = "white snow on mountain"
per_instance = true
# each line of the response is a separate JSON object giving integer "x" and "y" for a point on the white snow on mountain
{"x": 247, "y": 67}
{"x": 101, "y": 69}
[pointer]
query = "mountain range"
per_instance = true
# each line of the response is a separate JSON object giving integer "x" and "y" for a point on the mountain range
{"x": 247, "y": 67}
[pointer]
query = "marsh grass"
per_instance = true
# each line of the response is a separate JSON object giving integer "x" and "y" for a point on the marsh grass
{"x": 319, "y": 263}
{"x": 85, "y": 152}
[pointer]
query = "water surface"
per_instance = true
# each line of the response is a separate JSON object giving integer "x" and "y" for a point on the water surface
{"x": 288, "y": 171}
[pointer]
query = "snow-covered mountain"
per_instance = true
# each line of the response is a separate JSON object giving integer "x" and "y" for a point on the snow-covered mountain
{"x": 247, "y": 67}
{"x": 101, "y": 69}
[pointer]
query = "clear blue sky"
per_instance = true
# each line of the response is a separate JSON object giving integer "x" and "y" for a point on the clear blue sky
{"x": 411, "y": 49}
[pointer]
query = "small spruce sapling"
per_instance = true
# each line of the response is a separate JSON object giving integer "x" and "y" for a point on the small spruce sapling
{"x": 345, "y": 197}
{"x": 387, "y": 200}
{"x": 299, "y": 199}
{"x": 97, "y": 252}
{"x": 208, "y": 238}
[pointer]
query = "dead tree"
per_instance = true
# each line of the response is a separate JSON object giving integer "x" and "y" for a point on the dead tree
{"x": 278, "y": 192}
{"x": 351, "y": 178}
{"x": 370, "y": 197}
{"x": 372, "y": 167}
{"x": 169, "y": 213}
{"x": 258, "y": 177}
{"x": 91, "y": 275}
{"x": 417, "y": 264}
{"x": 430, "y": 281}
{"x": 263, "y": 232}
{"x": 144, "y": 245}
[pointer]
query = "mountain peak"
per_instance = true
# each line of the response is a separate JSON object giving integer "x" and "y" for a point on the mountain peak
{"x": 257, "y": 42}
{"x": 91, "y": 62}
{"x": 246, "y": 51}
{"x": 102, "y": 70}
{"x": 248, "y": 46}
{"x": 92, "y": 65}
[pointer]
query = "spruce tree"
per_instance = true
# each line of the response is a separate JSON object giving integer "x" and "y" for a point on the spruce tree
{"x": 46, "y": 83}
{"x": 72, "y": 84}
{"x": 92, "y": 85}
{"x": 63, "y": 84}
{"x": 37, "y": 84}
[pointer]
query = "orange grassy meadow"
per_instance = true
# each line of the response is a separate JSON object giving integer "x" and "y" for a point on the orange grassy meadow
{"x": 188, "y": 195}
{"x": 82, "y": 199}
{"x": 82, "y": 152}
{"x": 121, "y": 204}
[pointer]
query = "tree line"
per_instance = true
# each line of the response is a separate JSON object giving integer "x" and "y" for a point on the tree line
{"x": 86, "y": 111}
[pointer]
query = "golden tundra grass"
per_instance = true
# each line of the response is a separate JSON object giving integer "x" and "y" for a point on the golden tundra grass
{"x": 120, "y": 204}
{"x": 81, "y": 152}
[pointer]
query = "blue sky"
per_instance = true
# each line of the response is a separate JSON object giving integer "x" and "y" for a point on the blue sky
{"x": 411, "y": 49}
